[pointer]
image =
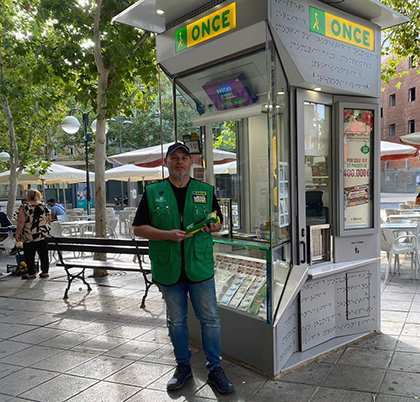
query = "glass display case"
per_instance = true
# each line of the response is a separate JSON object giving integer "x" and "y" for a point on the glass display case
{"x": 240, "y": 107}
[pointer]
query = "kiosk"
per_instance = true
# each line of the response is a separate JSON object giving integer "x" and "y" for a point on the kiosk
{"x": 296, "y": 85}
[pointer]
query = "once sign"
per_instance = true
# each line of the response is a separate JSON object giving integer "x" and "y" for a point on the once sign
{"x": 205, "y": 28}
{"x": 341, "y": 29}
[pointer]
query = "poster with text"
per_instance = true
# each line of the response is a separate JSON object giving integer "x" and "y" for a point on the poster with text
{"x": 358, "y": 133}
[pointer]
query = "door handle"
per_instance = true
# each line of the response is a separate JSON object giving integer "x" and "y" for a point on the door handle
{"x": 303, "y": 249}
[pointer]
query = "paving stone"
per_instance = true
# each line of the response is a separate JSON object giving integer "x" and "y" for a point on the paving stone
{"x": 396, "y": 316}
{"x": 139, "y": 374}
{"x": 364, "y": 357}
{"x": 403, "y": 361}
{"x": 100, "y": 367}
{"x": 377, "y": 341}
{"x": 355, "y": 378}
{"x": 58, "y": 389}
{"x": 399, "y": 383}
{"x": 394, "y": 305}
{"x": 106, "y": 392}
{"x": 313, "y": 373}
{"x": 16, "y": 383}
{"x": 281, "y": 391}
{"x": 333, "y": 395}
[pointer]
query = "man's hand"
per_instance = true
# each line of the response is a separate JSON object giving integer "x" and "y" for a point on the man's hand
{"x": 212, "y": 227}
{"x": 178, "y": 235}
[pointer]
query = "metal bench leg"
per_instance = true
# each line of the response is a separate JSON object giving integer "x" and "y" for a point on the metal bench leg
{"x": 71, "y": 278}
{"x": 143, "y": 300}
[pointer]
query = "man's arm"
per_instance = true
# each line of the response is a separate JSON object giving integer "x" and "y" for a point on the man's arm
{"x": 152, "y": 233}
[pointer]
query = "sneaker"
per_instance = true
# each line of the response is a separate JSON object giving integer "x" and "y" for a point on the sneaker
{"x": 217, "y": 377}
{"x": 182, "y": 374}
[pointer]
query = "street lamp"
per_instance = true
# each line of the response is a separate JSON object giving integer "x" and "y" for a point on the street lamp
{"x": 121, "y": 122}
{"x": 71, "y": 125}
{"x": 4, "y": 156}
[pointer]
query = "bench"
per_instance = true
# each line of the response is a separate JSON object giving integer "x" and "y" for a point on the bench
{"x": 138, "y": 248}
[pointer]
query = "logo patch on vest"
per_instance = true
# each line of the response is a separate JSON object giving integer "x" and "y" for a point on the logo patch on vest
{"x": 199, "y": 197}
{"x": 161, "y": 198}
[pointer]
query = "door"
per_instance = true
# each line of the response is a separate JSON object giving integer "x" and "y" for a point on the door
{"x": 313, "y": 150}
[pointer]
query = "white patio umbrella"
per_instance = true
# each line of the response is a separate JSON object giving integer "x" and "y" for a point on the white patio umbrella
{"x": 134, "y": 173}
{"x": 152, "y": 156}
{"x": 412, "y": 139}
{"x": 391, "y": 151}
{"x": 226, "y": 168}
{"x": 56, "y": 174}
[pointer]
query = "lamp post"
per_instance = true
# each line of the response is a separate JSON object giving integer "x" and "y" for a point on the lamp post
{"x": 71, "y": 125}
{"x": 121, "y": 122}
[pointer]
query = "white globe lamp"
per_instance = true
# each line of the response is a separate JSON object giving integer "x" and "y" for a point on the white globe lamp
{"x": 70, "y": 125}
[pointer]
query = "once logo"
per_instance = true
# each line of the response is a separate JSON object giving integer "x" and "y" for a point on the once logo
{"x": 341, "y": 29}
{"x": 205, "y": 28}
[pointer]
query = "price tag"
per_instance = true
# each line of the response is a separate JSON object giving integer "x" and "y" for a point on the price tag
{"x": 193, "y": 146}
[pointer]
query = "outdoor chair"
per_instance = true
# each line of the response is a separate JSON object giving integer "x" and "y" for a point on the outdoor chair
{"x": 111, "y": 228}
{"x": 410, "y": 203}
{"x": 404, "y": 206}
{"x": 389, "y": 211}
{"x": 394, "y": 246}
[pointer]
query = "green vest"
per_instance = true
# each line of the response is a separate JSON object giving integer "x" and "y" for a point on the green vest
{"x": 166, "y": 255}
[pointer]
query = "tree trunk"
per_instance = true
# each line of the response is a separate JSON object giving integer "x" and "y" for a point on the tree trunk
{"x": 13, "y": 151}
{"x": 100, "y": 140}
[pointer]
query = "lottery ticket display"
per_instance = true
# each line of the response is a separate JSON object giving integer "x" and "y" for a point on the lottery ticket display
{"x": 241, "y": 283}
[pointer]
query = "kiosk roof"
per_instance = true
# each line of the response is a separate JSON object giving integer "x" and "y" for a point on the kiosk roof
{"x": 143, "y": 13}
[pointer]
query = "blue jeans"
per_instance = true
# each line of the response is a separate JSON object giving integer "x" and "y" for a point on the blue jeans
{"x": 203, "y": 299}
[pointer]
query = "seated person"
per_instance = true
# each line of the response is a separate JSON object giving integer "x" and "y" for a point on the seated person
{"x": 4, "y": 223}
{"x": 417, "y": 202}
{"x": 56, "y": 209}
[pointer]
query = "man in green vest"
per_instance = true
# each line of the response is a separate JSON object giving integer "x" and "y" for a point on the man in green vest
{"x": 182, "y": 264}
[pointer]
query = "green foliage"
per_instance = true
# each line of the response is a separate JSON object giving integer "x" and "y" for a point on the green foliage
{"x": 72, "y": 58}
{"x": 32, "y": 92}
{"x": 402, "y": 41}
{"x": 224, "y": 136}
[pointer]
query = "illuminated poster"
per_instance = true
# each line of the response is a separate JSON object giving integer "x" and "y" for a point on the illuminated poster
{"x": 358, "y": 132}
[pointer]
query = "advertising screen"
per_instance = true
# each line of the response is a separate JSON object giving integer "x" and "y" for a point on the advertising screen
{"x": 358, "y": 134}
{"x": 230, "y": 93}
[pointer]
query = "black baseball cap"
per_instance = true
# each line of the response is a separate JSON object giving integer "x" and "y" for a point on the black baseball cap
{"x": 51, "y": 200}
{"x": 177, "y": 145}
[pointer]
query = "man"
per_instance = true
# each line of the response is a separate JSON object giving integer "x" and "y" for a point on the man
{"x": 56, "y": 209}
{"x": 182, "y": 263}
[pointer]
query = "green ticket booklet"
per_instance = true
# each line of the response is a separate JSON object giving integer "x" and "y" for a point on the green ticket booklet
{"x": 197, "y": 226}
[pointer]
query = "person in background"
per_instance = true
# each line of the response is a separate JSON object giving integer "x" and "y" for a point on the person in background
{"x": 56, "y": 209}
{"x": 417, "y": 202}
{"x": 182, "y": 264}
{"x": 34, "y": 229}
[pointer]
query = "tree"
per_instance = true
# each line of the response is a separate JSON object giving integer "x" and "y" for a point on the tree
{"x": 103, "y": 60}
{"x": 401, "y": 41}
{"x": 28, "y": 92}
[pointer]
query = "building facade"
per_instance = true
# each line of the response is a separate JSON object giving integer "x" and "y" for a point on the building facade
{"x": 400, "y": 115}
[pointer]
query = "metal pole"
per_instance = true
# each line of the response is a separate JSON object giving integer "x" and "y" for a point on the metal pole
{"x": 85, "y": 123}
{"x": 122, "y": 183}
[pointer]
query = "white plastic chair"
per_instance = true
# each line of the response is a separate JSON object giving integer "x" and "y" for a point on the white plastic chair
{"x": 410, "y": 203}
{"x": 111, "y": 225}
{"x": 63, "y": 218}
{"x": 389, "y": 211}
{"x": 394, "y": 246}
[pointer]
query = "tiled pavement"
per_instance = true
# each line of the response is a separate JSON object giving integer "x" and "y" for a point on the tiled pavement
{"x": 102, "y": 347}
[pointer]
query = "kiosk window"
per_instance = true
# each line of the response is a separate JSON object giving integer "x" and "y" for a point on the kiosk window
{"x": 317, "y": 159}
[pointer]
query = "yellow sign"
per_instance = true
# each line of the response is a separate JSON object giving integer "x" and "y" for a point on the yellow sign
{"x": 341, "y": 29}
{"x": 206, "y": 28}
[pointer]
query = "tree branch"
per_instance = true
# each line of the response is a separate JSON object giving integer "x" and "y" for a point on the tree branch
{"x": 143, "y": 39}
